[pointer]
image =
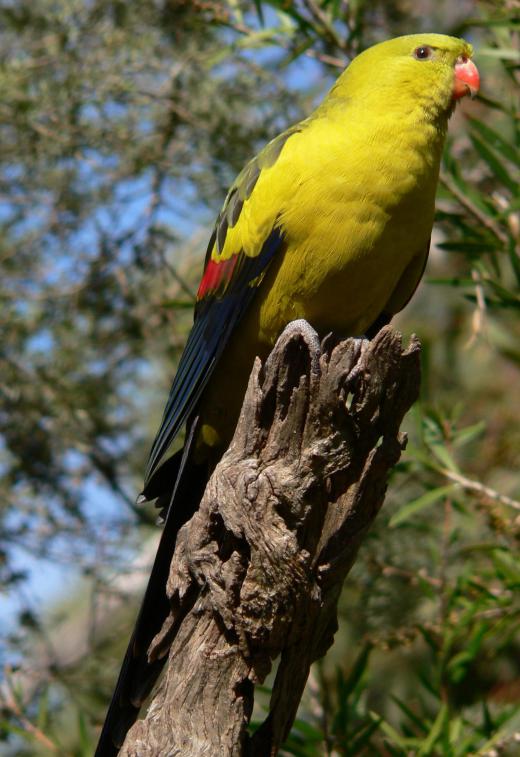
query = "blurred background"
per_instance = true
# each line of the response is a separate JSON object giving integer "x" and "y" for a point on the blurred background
{"x": 121, "y": 127}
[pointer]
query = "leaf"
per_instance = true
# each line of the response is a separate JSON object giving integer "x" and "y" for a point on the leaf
{"x": 508, "y": 22}
{"x": 504, "y": 732}
{"x": 310, "y": 732}
{"x": 488, "y": 725}
{"x": 476, "y": 246}
{"x": 85, "y": 741}
{"x": 497, "y": 168}
{"x": 496, "y": 140}
{"x": 504, "y": 53}
{"x": 396, "y": 737}
{"x": 406, "y": 512}
{"x": 416, "y": 720}
{"x": 359, "y": 667}
{"x": 301, "y": 745}
{"x": 453, "y": 282}
{"x": 257, "y": 39}
{"x": 490, "y": 103}
{"x": 178, "y": 304}
{"x": 515, "y": 262}
{"x": 424, "y": 677}
{"x": 508, "y": 566}
{"x": 469, "y": 433}
{"x": 455, "y": 731}
{"x": 363, "y": 737}
{"x": 43, "y": 710}
{"x": 458, "y": 664}
{"x": 505, "y": 294}
{"x": 493, "y": 303}
{"x": 436, "y": 730}
{"x": 443, "y": 455}
{"x": 259, "y": 10}
{"x": 466, "y": 189}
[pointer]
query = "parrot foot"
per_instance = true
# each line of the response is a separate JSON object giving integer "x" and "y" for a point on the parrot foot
{"x": 303, "y": 328}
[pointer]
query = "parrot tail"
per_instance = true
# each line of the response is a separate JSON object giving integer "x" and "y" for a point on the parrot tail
{"x": 137, "y": 677}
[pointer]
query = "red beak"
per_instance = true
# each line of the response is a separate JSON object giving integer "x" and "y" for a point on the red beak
{"x": 466, "y": 80}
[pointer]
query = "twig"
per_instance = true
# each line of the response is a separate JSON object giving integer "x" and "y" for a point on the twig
{"x": 414, "y": 577}
{"x": 10, "y": 703}
{"x": 478, "y": 319}
{"x": 470, "y": 206}
{"x": 323, "y": 21}
{"x": 247, "y": 31}
{"x": 476, "y": 486}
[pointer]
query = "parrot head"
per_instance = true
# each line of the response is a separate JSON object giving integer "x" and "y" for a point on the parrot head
{"x": 432, "y": 70}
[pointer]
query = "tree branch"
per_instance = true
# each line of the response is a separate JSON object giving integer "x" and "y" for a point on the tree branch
{"x": 258, "y": 570}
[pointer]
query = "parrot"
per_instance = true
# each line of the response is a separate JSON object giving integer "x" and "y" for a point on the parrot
{"x": 330, "y": 223}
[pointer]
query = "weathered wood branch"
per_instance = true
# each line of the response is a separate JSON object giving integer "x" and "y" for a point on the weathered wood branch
{"x": 258, "y": 570}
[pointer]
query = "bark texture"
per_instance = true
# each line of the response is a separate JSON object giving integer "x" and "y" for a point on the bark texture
{"x": 258, "y": 570}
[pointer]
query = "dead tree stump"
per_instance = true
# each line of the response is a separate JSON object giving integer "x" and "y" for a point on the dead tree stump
{"x": 258, "y": 570}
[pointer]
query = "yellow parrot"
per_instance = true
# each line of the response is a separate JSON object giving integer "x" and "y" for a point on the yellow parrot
{"x": 331, "y": 222}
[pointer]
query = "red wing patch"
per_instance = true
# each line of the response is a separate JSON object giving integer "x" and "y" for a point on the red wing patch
{"x": 216, "y": 276}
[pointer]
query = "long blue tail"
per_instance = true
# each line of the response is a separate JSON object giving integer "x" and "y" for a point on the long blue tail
{"x": 182, "y": 483}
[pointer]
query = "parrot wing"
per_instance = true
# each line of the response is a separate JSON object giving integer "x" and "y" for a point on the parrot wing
{"x": 408, "y": 282}
{"x": 231, "y": 278}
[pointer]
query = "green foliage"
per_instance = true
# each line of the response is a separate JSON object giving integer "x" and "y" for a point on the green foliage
{"x": 121, "y": 125}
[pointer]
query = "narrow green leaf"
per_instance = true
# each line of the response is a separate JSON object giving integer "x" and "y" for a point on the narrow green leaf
{"x": 493, "y": 303}
{"x": 436, "y": 730}
{"x": 490, "y": 103}
{"x": 473, "y": 194}
{"x": 357, "y": 671}
{"x": 361, "y": 739}
{"x": 23, "y": 733}
{"x": 258, "y": 39}
{"x": 411, "y": 508}
{"x": 455, "y": 731}
{"x": 443, "y": 455}
{"x": 178, "y": 304}
{"x": 458, "y": 664}
{"x": 310, "y": 732}
{"x": 487, "y": 720}
{"x": 497, "y": 168}
{"x": 505, "y": 294}
{"x": 453, "y": 282}
{"x": 504, "y": 53}
{"x": 43, "y": 710}
{"x": 508, "y": 565}
{"x": 515, "y": 262}
{"x": 425, "y": 678}
{"x": 469, "y": 433}
{"x": 84, "y": 737}
{"x": 456, "y": 245}
{"x": 341, "y": 717}
{"x": 508, "y": 22}
{"x": 416, "y": 720}
{"x": 259, "y": 10}
{"x": 396, "y": 737}
{"x": 505, "y": 731}
{"x": 391, "y": 750}
{"x": 496, "y": 141}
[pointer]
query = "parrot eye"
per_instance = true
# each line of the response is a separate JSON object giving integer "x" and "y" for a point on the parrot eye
{"x": 423, "y": 53}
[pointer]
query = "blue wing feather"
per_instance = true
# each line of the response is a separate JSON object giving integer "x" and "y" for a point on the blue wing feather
{"x": 215, "y": 320}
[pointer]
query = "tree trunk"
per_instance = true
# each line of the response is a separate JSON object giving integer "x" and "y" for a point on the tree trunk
{"x": 258, "y": 570}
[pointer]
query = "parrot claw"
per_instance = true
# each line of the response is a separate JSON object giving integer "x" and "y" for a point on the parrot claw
{"x": 304, "y": 328}
{"x": 310, "y": 335}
